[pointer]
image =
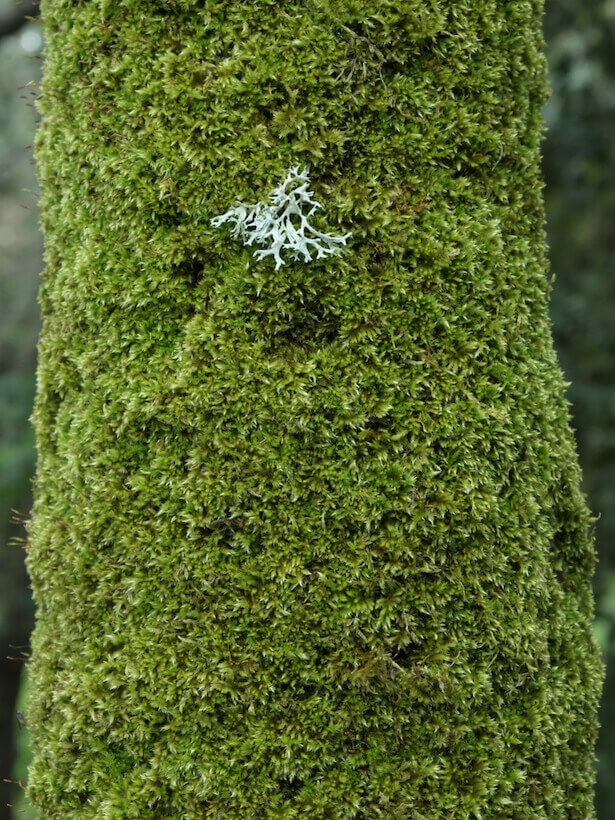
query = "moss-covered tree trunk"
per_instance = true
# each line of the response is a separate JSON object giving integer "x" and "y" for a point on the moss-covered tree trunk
{"x": 308, "y": 538}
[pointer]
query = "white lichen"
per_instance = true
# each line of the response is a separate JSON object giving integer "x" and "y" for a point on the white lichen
{"x": 261, "y": 222}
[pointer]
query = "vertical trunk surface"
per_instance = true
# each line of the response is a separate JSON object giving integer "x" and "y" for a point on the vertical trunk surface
{"x": 308, "y": 540}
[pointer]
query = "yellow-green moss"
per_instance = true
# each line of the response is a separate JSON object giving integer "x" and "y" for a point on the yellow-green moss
{"x": 307, "y": 542}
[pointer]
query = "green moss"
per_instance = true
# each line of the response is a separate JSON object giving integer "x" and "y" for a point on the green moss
{"x": 306, "y": 542}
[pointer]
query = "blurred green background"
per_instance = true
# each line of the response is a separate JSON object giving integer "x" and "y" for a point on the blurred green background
{"x": 579, "y": 167}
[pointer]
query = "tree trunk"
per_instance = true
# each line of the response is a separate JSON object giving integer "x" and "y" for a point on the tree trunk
{"x": 308, "y": 538}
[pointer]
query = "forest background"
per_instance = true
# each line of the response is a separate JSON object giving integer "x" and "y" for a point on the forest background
{"x": 579, "y": 168}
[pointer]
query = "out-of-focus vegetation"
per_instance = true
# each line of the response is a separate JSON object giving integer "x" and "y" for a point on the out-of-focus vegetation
{"x": 20, "y": 265}
{"x": 579, "y": 166}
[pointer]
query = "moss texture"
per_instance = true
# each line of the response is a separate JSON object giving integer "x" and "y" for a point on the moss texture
{"x": 307, "y": 542}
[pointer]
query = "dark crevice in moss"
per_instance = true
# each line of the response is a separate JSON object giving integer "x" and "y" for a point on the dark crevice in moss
{"x": 309, "y": 329}
{"x": 190, "y": 271}
{"x": 289, "y": 788}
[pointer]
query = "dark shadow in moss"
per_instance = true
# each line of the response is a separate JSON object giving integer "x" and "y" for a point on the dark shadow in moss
{"x": 289, "y": 788}
{"x": 307, "y": 330}
{"x": 190, "y": 271}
